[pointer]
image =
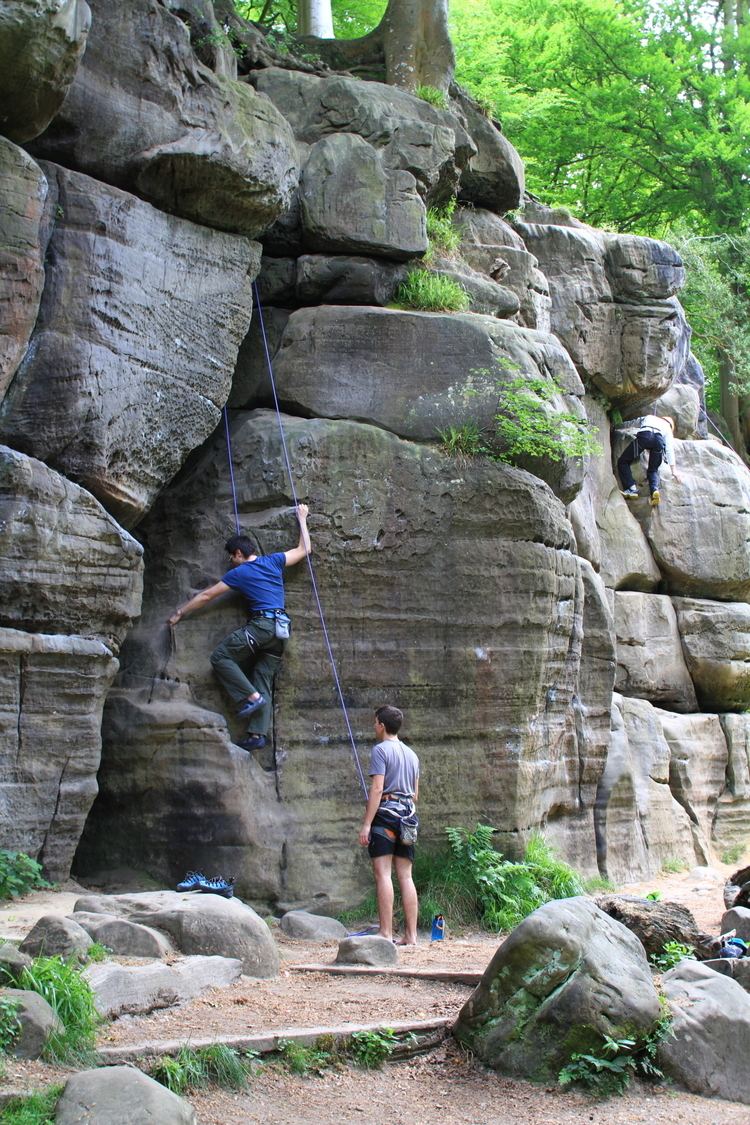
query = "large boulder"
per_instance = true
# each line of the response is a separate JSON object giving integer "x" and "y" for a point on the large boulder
{"x": 408, "y": 133}
{"x": 52, "y": 690}
{"x": 66, "y": 565}
{"x": 23, "y": 193}
{"x": 41, "y": 44}
{"x": 110, "y": 1093}
{"x": 697, "y": 771}
{"x": 54, "y": 936}
{"x": 716, "y": 642}
{"x": 128, "y": 372}
{"x": 566, "y": 976}
{"x": 200, "y": 924}
{"x": 134, "y": 989}
{"x": 698, "y": 534}
{"x": 499, "y": 665}
{"x": 711, "y": 1023}
{"x": 145, "y": 115}
{"x": 37, "y": 1022}
{"x": 732, "y": 823}
{"x": 681, "y": 403}
{"x": 124, "y": 938}
{"x": 640, "y": 824}
{"x": 650, "y": 664}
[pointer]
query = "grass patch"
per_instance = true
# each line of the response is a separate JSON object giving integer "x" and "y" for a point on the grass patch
{"x": 673, "y": 866}
{"x": 731, "y": 855}
{"x": 598, "y": 883}
{"x": 97, "y": 952}
{"x": 443, "y": 236}
{"x": 19, "y": 873}
{"x": 70, "y": 997}
{"x": 433, "y": 96}
{"x": 430, "y": 292}
{"x": 298, "y": 1059}
{"x": 465, "y": 440}
{"x": 34, "y": 1109}
{"x": 215, "y": 1065}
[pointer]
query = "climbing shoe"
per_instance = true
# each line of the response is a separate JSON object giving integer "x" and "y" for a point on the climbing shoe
{"x": 629, "y": 493}
{"x": 252, "y": 742}
{"x": 655, "y": 498}
{"x": 191, "y": 882}
{"x": 217, "y": 886}
{"x": 251, "y": 706}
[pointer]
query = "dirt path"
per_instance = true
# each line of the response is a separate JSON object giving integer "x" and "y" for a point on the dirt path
{"x": 445, "y": 1086}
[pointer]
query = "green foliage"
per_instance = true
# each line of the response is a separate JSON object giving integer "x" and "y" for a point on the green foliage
{"x": 432, "y": 95}
{"x": 598, "y": 883}
{"x": 671, "y": 954}
{"x": 431, "y": 292}
{"x": 465, "y": 440}
{"x": 215, "y": 1065}
{"x": 731, "y": 855}
{"x": 19, "y": 873}
{"x": 351, "y": 18}
{"x": 9, "y": 1022}
{"x": 529, "y": 426}
{"x": 370, "y": 1049}
{"x": 70, "y": 997}
{"x": 97, "y": 952}
{"x": 654, "y": 896}
{"x": 610, "y": 1069}
{"x": 367, "y": 908}
{"x": 443, "y": 236}
{"x": 672, "y": 865}
{"x": 32, "y": 1109}
{"x": 305, "y": 1060}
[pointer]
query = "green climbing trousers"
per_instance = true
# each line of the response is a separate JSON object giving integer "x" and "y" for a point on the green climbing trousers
{"x": 256, "y": 647}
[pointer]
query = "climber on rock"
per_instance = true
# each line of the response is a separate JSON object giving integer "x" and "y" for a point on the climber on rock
{"x": 656, "y": 434}
{"x": 261, "y": 641}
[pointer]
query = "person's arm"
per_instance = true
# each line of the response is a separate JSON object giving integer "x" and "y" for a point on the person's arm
{"x": 373, "y": 802}
{"x": 303, "y": 548}
{"x": 198, "y": 601}
{"x": 670, "y": 455}
{"x": 416, "y": 791}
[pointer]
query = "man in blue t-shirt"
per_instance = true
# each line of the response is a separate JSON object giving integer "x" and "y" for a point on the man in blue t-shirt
{"x": 261, "y": 579}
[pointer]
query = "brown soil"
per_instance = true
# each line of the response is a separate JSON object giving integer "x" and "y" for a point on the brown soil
{"x": 444, "y": 1086}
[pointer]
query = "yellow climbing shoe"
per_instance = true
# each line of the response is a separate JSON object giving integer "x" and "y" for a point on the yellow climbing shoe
{"x": 655, "y": 498}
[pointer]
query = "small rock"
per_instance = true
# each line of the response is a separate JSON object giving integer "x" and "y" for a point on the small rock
{"x": 304, "y": 926}
{"x": 37, "y": 1019}
{"x": 125, "y": 939}
{"x": 107, "y": 1096}
{"x": 368, "y": 950}
{"x": 738, "y": 918}
{"x": 12, "y": 961}
{"x": 55, "y": 936}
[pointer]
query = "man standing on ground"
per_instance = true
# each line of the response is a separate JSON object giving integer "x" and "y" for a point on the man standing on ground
{"x": 394, "y": 769}
{"x": 656, "y": 434}
{"x": 261, "y": 579}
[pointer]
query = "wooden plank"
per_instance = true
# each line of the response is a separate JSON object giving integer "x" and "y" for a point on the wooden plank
{"x": 266, "y": 1042}
{"x": 447, "y": 976}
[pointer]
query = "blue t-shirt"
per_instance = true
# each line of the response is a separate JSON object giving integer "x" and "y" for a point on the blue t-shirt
{"x": 260, "y": 580}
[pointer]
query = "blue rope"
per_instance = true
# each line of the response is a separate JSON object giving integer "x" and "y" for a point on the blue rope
{"x": 313, "y": 580}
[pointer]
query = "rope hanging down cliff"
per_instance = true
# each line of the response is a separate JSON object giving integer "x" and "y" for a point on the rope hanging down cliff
{"x": 311, "y": 569}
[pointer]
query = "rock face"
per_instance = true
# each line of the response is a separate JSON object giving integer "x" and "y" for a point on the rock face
{"x": 732, "y": 822}
{"x": 716, "y": 641}
{"x": 145, "y": 115}
{"x": 650, "y": 663}
{"x": 41, "y": 44}
{"x": 114, "y": 392}
{"x": 567, "y": 975}
{"x": 698, "y": 759}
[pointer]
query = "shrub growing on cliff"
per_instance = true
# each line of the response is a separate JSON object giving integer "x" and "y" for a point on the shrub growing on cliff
{"x": 433, "y": 96}
{"x": 19, "y": 873}
{"x": 528, "y": 426}
{"x": 443, "y": 236}
{"x": 430, "y": 292}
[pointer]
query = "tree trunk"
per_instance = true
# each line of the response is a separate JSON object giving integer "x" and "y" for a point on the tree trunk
{"x": 314, "y": 18}
{"x": 730, "y": 405}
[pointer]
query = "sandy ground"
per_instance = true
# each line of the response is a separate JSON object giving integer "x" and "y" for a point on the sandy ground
{"x": 445, "y": 1086}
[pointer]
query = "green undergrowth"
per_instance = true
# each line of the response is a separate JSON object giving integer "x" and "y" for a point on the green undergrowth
{"x": 732, "y": 854}
{"x": 608, "y": 1069}
{"x": 430, "y": 292}
{"x": 444, "y": 237}
{"x": 19, "y": 873}
{"x": 672, "y": 952}
{"x": 433, "y": 96}
{"x": 596, "y": 883}
{"x": 32, "y": 1109}
{"x": 70, "y": 997}
{"x": 673, "y": 866}
{"x": 195, "y": 1069}
{"x": 366, "y": 1049}
{"x": 97, "y": 952}
{"x": 528, "y": 426}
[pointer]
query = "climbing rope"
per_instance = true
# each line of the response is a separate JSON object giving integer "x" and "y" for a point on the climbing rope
{"x": 311, "y": 569}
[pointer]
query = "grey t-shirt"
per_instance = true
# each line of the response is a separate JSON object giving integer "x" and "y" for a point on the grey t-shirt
{"x": 399, "y": 765}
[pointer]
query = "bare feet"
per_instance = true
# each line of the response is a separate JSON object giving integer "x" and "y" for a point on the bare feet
{"x": 404, "y": 943}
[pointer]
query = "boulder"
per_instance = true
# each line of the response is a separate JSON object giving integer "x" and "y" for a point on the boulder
{"x": 23, "y": 194}
{"x": 698, "y": 535}
{"x": 367, "y": 950}
{"x": 127, "y": 374}
{"x": 738, "y": 918}
{"x": 66, "y": 565}
{"x": 737, "y": 885}
{"x": 716, "y": 642}
{"x": 37, "y": 1022}
{"x": 484, "y": 293}
{"x": 144, "y": 115}
{"x": 107, "y": 1095}
{"x": 650, "y": 664}
{"x": 732, "y": 824}
{"x": 639, "y": 268}
{"x": 697, "y": 769}
{"x": 692, "y": 376}
{"x": 407, "y": 133}
{"x": 135, "y": 989}
{"x": 200, "y": 924}
{"x": 639, "y": 823}
{"x": 351, "y": 202}
{"x": 711, "y": 1024}
{"x": 418, "y": 373}
{"x": 682, "y": 403}
{"x": 565, "y": 977}
{"x": 303, "y": 926}
{"x": 513, "y": 643}
{"x": 41, "y": 44}
{"x": 326, "y": 279}
{"x": 736, "y": 968}
{"x": 124, "y": 938}
{"x": 54, "y": 936}
{"x": 12, "y": 961}
{"x": 494, "y": 177}
{"x": 52, "y": 691}
{"x": 655, "y": 923}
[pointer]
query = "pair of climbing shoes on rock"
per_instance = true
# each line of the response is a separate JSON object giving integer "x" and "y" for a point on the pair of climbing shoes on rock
{"x": 197, "y": 881}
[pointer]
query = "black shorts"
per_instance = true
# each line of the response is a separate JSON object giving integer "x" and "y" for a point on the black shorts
{"x": 383, "y": 845}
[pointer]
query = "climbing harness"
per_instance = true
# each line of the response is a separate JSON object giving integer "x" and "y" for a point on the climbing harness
{"x": 313, "y": 581}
